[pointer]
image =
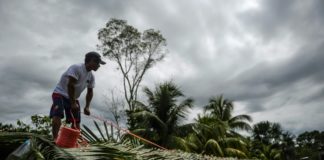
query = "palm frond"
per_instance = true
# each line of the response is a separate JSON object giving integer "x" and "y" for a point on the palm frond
{"x": 195, "y": 143}
{"x": 235, "y": 153}
{"x": 240, "y": 125}
{"x": 183, "y": 130}
{"x": 149, "y": 93}
{"x": 236, "y": 143}
{"x": 98, "y": 128}
{"x": 212, "y": 147}
{"x": 87, "y": 136}
{"x": 181, "y": 109}
{"x": 149, "y": 118}
{"x": 140, "y": 106}
{"x": 177, "y": 112}
{"x": 45, "y": 149}
{"x": 40, "y": 147}
{"x": 175, "y": 142}
{"x": 107, "y": 133}
{"x": 90, "y": 133}
{"x": 242, "y": 117}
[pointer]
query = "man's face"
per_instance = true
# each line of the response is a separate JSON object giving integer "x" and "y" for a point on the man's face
{"x": 94, "y": 64}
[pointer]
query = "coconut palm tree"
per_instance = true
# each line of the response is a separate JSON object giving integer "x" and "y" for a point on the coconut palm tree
{"x": 158, "y": 120}
{"x": 267, "y": 152}
{"x": 269, "y": 138}
{"x": 209, "y": 137}
{"x": 221, "y": 109}
{"x": 215, "y": 131}
{"x": 267, "y": 132}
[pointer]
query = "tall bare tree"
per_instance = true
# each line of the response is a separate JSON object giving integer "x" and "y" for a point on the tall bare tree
{"x": 133, "y": 51}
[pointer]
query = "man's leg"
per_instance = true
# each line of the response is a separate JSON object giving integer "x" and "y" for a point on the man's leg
{"x": 56, "y": 124}
{"x": 56, "y": 114}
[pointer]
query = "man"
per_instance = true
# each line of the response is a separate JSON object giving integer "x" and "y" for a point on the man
{"x": 66, "y": 93}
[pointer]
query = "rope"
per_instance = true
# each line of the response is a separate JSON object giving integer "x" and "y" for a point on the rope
{"x": 74, "y": 121}
{"x": 125, "y": 130}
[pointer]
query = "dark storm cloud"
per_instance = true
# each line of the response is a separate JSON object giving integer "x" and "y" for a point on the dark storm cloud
{"x": 306, "y": 62}
{"x": 297, "y": 79}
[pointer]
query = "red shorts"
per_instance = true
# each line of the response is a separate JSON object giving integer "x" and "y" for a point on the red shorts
{"x": 62, "y": 104}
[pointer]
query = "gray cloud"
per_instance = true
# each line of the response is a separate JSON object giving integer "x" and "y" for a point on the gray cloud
{"x": 276, "y": 18}
{"x": 265, "y": 55}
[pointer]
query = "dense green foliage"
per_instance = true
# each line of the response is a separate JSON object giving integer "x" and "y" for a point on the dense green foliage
{"x": 215, "y": 132}
{"x": 269, "y": 141}
{"x": 310, "y": 144}
{"x": 158, "y": 120}
{"x": 40, "y": 125}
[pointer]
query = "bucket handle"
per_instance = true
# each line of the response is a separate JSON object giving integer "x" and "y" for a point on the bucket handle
{"x": 74, "y": 121}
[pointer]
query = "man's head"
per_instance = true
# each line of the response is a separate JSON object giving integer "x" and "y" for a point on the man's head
{"x": 93, "y": 60}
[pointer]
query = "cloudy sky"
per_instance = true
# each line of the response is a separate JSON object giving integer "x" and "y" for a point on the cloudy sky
{"x": 266, "y": 55}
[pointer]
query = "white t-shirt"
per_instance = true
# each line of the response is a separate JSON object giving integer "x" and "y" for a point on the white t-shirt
{"x": 83, "y": 77}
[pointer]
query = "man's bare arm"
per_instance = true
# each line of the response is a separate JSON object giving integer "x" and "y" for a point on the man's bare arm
{"x": 71, "y": 92}
{"x": 88, "y": 101}
{"x": 89, "y": 96}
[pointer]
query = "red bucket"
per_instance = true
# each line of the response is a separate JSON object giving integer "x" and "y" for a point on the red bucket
{"x": 68, "y": 137}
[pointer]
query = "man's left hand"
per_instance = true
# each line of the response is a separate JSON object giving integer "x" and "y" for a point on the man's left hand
{"x": 86, "y": 111}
